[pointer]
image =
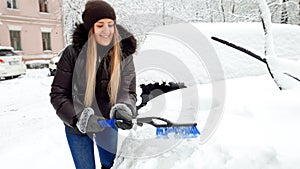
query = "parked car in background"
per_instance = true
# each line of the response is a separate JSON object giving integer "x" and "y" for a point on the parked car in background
{"x": 11, "y": 64}
{"x": 53, "y": 62}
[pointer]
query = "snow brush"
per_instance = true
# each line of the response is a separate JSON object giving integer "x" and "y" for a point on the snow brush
{"x": 165, "y": 127}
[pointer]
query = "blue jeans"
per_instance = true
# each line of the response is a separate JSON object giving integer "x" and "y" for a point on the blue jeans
{"x": 82, "y": 148}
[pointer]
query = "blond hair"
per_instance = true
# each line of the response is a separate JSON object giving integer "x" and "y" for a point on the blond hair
{"x": 115, "y": 54}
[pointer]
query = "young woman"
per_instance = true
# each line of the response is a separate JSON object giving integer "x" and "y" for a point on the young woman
{"x": 95, "y": 81}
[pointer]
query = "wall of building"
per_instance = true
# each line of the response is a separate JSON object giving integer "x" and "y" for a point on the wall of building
{"x": 31, "y": 22}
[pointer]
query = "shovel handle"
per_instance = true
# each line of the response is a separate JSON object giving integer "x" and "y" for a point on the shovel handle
{"x": 167, "y": 123}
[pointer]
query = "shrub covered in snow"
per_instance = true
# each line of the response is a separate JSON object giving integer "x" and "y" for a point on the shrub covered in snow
{"x": 37, "y": 64}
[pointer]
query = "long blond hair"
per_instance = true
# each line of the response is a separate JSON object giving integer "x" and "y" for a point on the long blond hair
{"x": 115, "y": 54}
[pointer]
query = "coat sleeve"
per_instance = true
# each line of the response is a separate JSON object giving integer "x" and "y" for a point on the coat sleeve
{"x": 61, "y": 88}
{"x": 127, "y": 88}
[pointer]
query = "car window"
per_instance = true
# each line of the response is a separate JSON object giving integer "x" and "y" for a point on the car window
{"x": 7, "y": 53}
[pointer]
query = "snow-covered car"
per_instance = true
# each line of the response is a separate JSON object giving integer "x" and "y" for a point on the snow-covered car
{"x": 11, "y": 64}
{"x": 53, "y": 62}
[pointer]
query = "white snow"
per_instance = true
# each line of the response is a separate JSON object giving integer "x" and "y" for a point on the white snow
{"x": 31, "y": 135}
{"x": 234, "y": 63}
{"x": 258, "y": 128}
{"x": 266, "y": 17}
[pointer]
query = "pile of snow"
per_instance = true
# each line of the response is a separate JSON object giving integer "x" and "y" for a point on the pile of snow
{"x": 162, "y": 46}
{"x": 258, "y": 130}
{"x": 37, "y": 64}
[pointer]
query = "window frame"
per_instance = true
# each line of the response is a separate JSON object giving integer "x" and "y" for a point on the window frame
{"x": 43, "y": 6}
{"x": 15, "y": 39}
{"x": 46, "y": 41}
{"x": 11, "y": 4}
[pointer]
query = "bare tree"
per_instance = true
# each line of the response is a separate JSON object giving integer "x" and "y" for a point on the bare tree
{"x": 233, "y": 7}
{"x": 299, "y": 13}
{"x": 222, "y": 10}
{"x": 72, "y": 10}
{"x": 284, "y": 12}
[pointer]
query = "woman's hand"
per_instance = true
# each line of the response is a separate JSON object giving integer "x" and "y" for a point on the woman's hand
{"x": 88, "y": 122}
{"x": 123, "y": 115}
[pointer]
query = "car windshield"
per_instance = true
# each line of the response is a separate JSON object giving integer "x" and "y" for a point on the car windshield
{"x": 7, "y": 53}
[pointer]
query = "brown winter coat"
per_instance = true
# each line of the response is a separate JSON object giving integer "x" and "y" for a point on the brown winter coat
{"x": 68, "y": 87}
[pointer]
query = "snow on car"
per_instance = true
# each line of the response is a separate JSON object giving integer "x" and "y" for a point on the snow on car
{"x": 11, "y": 64}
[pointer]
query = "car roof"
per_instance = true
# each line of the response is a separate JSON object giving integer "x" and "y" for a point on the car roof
{"x": 6, "y": 48}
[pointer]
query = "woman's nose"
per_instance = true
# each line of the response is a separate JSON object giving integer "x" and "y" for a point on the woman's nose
{"x": 105, "y": 29}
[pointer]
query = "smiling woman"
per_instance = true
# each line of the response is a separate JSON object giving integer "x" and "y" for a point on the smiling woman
{"x": 94, "y": 84}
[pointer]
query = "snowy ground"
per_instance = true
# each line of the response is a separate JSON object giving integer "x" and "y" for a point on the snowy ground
{"x": 31, "y": 135}
{"x": 258, "y": 128}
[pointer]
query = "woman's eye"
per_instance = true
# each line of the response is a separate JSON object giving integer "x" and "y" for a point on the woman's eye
{"x": 111, "y": 25}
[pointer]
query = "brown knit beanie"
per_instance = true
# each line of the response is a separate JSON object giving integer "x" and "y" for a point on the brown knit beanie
{"x": 96, "y": 10}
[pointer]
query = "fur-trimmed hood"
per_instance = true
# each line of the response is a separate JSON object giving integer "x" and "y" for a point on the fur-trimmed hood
{"x": 128, "y": 41}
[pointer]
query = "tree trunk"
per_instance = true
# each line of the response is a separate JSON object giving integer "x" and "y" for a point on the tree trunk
{"x": 233, "y": 7}
{"x": 284, "y": 12}
{"x": 164, "y": 14}
{"x": 223, "y": 11}
{"x": 299, "y": 13}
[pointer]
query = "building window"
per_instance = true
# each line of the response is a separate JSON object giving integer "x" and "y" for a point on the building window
{"x": 15, "y": 39}
{"x": 11, "y": 4}
{"x": 43, "y": 5}
{"x": 46, "y": 41}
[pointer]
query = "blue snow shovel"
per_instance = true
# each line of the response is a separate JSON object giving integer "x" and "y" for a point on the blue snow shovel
{"x": 165, "y": 127}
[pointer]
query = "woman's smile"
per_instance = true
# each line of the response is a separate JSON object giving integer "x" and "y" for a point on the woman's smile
{"x": 104, "y": 30}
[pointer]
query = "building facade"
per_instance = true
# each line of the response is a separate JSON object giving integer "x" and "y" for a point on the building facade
{"x": 32, "y": 27}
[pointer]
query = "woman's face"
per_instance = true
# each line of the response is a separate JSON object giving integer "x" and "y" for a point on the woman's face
{"x": 104, "y": 30}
